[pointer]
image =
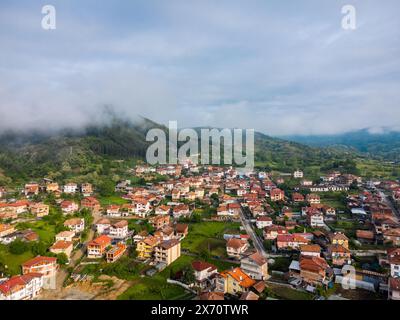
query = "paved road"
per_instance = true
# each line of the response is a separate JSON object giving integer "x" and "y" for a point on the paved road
{"x": 258, "y": 244}
{"x": 389, "y": 203}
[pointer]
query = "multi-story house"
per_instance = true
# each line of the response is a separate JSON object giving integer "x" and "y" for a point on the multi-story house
{"x": 339, "y": 238}
{"x": 75, "y": 224}
{"x": 115, "y": 252}
{"x": 97, "y": 247}
{"x": 69, "y": 207}
{"x": 47, "y": 266}
{"x": 256, "y": 266}
{"x": 277, "y": 195}
{"x": 167, "y": 251}
{"x": 62, "y": 246}
{"x": 39, "y": 209}
{"x": 86, "y": 189}
{"x": 91, "y": 204}
{"x": 31, "y": 189}
{"x": 235, "y": 248}
{"x": 65, "y": 236}
{"x": 159, "y": 221}
{"x": 313, "y": 198}
{"x": 119, "y": 230}
{"x": 145, "y": 247}
{"x": 204, "y": 273}
{"x": 234, "y": 282}
{"x": 339, "y": 254}
{"x": 70, "y": 188}
{"x": 103, "y": 226}
{"x": 24, "y": 287}
{"x": 163, "y": 210}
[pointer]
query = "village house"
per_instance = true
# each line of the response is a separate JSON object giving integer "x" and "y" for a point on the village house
{"x": 313, "y": 198}
{"x": 310, "y": 250}
{"x": 159, "y": 221}
{"x": 142, "y": 206}
{"x": 315, "y": 219}
{"x": 290, "y": 241}
{"x": 165, "y": 233}
{"x": 62, "y": 246}
{"x": 394, "y": 262}
{"x": 312, "y": 270}
{"x": 394, "y": 288}
{"x": 181, "y": 210}
{"x": 119, "y": 230}
{"x": 39, "y": 209}
{"x": 271, "y": 232}
{"x": 65, "y": 236}
{"x": 31, "y": 189}
{"x": 115, "y": 252}
{"x": 163, "y": 210}
{"x": 20, "y": 206}
{"x": 297, "y": 197}
{"x": 256, "y": 266}
{"x": 86, "y": 189}
{"x": 69, "y": 207}
{"x": 235, "y": 248}
{"x": 176, "y": 194}
{"x": 315, "y": 270}
{"x": 6, "y": 229}
{"x": 204, "y": 274}
{"x": 3, "y": 192}
{"x": 52, "y": 187}
{"x": 113, "y": 210}
{"x": 365, "y": 236}
{"x": 167, "y": 251}
{"x": 91, "y": 204}
{"x": 298, "y": 174}
{"x": 103, "y": 226}
{"x": 339, "y": 238}
{"x": 339, "y": 254}
{"x": 75, "y": 224}
{"x": 234, "y": 281}
{"x": 277, "y": 195}
{"x": 47, "y": 266}
{"x": 263, "y": 222}
{"x": 181, "y": 230}
{"x": 127, "y": 209}
{"x": 23, "y": 287}
{"x": 392, "y": 236}
{"x": 145, "y": 247}
{"x": 97, "y": 247}
{"x": 70, "y": 188}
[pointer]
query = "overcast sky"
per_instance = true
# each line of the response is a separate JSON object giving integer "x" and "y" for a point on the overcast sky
{"x": 280, "y": 67}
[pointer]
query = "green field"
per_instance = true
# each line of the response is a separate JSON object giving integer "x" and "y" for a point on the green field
{"x": 13, "y": 261}
{"x": 156, "y": 287}
{"x": 45, "y": 230}
{"x": 206, "y": 235}
{"x": 105, "y": 201}
{"x": 286, "y": 293}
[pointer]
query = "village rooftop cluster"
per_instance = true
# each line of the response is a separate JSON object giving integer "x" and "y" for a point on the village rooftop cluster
{"x": 280, "y": 234}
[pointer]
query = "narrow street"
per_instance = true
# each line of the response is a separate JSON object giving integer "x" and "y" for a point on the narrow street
{"x": 389, "y": 203}
{"x": 258, "y": 244}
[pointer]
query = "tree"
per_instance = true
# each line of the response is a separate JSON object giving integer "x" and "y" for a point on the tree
{"x": 188, "y": 275}
{"x": 18, "y": 247}
{"x": 106, "y": 188}
{"x": 62, "y": 259}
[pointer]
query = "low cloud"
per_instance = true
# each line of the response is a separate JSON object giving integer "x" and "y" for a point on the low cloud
{"x": 276, "y": 67}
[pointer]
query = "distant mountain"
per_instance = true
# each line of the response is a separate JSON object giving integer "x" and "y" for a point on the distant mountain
{"x": 68, "y": 153}
{"x": 384, "y": 145}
